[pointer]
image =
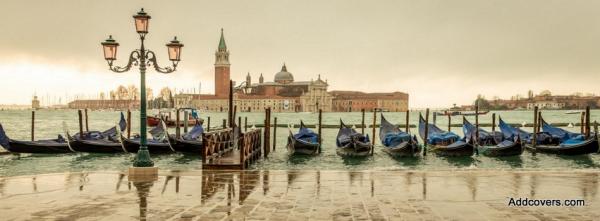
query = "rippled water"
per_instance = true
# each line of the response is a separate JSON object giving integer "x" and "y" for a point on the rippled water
{"x": 49, "y": 124}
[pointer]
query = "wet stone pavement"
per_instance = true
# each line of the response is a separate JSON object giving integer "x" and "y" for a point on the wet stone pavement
{"x": 301, "y": 195}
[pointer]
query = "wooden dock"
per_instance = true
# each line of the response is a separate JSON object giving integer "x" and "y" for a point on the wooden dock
{"x": 227, "y": 149}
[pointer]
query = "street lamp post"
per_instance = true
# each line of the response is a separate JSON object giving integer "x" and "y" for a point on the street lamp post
{"x": 142, "y": 57}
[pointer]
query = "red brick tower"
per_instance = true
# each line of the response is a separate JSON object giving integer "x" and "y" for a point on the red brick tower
{"x": 222, "y": 69}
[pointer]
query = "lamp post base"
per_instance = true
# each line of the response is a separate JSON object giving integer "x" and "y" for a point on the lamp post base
{"x": 142, "y": 158}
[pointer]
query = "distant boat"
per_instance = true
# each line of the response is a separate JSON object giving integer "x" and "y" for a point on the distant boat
{"x": 573, "y": 112}
{"x": 464, "y": 113}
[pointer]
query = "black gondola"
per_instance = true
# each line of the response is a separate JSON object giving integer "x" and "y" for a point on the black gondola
{"x": 397, "y": 142}
{"x": 191, "y": 142}
{"x": 159, "y": 143}
{"x": 570, "y": 143}
{"x": 99, "y": 142}
{"x": 493, "y": 144}
{"x": 444, "y": 143}
{"x": 305, "y": 142}
{"x": 351, "y": 143}
{"x": 58, "y": 145}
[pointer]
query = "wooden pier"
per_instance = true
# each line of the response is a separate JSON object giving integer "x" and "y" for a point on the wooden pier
{"x": 225, "y": 150}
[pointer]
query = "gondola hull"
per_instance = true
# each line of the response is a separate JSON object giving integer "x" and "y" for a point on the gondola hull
{"x": 96, "y": 146}
{"x": 133, "y": 146}
{"x": 186, "y": 146}
{"x": 405, "y": 149}
{"x": 515, "y": 149}
{"x": 300, "y": 147}
{"x": 586, "y": 147}
{"x": 44, "y": 147}
{"x": 464, "y": 149}
{"x": 355, "y": 149}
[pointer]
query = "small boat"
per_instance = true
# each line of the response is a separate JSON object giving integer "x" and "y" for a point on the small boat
{"x": 305, "y": 142}
{"x": 99, "y": 142}
{"x": 58, "y": 145}
{"x": 464, "y": 113}
{"x": 158, "y": 143}
{"x": 190, "y": 142}
{"x": 397, "y": 142}
{"x": 153, "y": 121}
{"x": 494, "y": 144}
{"x": 509, "y": 132}
{"x": 351, "y": 143}
{"x": 570, "y": 143}
{"x": 574, "y": 112}
{"x": 444, "y": 143}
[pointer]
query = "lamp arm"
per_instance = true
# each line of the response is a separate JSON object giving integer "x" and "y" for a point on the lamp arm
{"x": 133, "y": 61}
{"x": 152, "y": 62}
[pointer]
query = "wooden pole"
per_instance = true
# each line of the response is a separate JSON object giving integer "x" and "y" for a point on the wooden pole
{"x": 267, "y": 137}
{"x": 32, "y": 125}
{"x": 374, "y": 123}
{"x": 245, "y": 124}
{"x": 80, "y": 124}
{"x": 434, "y": 114}
{"x": 587, "y": 122}
{"x": 449, "y": 122}
{"x": 319, "y": 131}
{"x": 274, "y": 134}
{"x": 177, "y": 122}
{"x": 233, "y": 115}
{"x": 224, "y": 123}
{"x": 493, "y": 123}
{"x": 208, "y": 124}
{"x": 406, "y": 126}
{"x": 362, "y": 125}
{"x": 240, "y": 122}
{"x": 581, "y": 123}
{"x": 128, "y": 123}
{"x": 426, "y": 131}
{"x": 230, "y": 109}
{"x": 86, "y": 120}
{"x": 535, "y": 123}
{"x": 186, "y": 116}
{"x": 477, "y": 128}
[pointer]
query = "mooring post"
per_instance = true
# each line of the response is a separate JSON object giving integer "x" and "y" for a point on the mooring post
{"x": 245, "y": 124}
{"x": 128, "y": 123}
{"x": 240, "y": 122}
{"x": 80, "y": 124}
{"x": 374, "y": 123}
{"x": 595, "y": 129}
{"x": 186, "y": 116}
{"x": 230, "y": 104}
{"x": 434, "y": 114}
{"x": 177, "y": 122}
{"x": 449, "y": 122}
{"x": 319, "y": 130}
{"x": 407, "y": 126}
{"x": 476, "y": 128}
{"x": 362, "y": 125}
{"x": 267, "y": 126}
{"x": 208, "y": 124}
{"x": 274, "y": 133}
{"x": 233, "y": 115}
{"x": 581, "y": 123}
{"x": 493, "y": 123}
{"x": 224, "y": 123}
{"x": 32, "y": 125}
{"x": 86, "y": 120}
{"x": 426, "y": 131}
{"x": 587, "y": 121}
{"x": 535, "y": 119}
{"x": 539, "y": 123}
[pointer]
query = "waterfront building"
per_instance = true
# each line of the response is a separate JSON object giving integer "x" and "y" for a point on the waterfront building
{"x": 347, "y": 101}
{"x": 104, "y": 104}
{"x": 546, "y": 100}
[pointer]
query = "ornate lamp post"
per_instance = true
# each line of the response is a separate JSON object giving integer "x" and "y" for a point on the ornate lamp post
{"x": 142, "y": 57}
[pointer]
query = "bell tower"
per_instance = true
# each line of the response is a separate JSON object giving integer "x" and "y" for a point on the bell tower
{"x": 222, "y": 73}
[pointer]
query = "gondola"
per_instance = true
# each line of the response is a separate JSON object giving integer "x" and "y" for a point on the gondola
{"x": 397, "y": 142}
{"x": 570, "y": 143}
{"x": 157, "y": 144}
{"x": 58, "y": 145}
{"x": 305, "y": 142}
{"x": 444, "y": 143}
{"x": 190, "y": 142}
{"x": 493, "y": 144}
{"x": 98, "y": 142}
{"x": 351, "y": 143}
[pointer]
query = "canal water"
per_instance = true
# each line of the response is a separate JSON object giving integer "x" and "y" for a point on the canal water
{"x": 49, "y": 123}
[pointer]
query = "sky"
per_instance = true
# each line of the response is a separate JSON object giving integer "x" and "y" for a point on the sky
{"x": 440, "y": 52}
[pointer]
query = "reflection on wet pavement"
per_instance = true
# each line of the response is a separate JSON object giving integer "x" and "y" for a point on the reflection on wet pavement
{"x": 300, "y": 195}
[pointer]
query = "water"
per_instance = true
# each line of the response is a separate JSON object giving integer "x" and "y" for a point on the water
{"x": 49, "y": 124}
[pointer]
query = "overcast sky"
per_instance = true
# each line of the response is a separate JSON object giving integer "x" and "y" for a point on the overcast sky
{"x": 440, "y": 52}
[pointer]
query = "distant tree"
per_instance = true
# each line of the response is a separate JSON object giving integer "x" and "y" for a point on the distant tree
{"x": 482, "y": 102}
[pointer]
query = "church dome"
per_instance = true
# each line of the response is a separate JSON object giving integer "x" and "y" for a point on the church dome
{"x": 284, "y": 76}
